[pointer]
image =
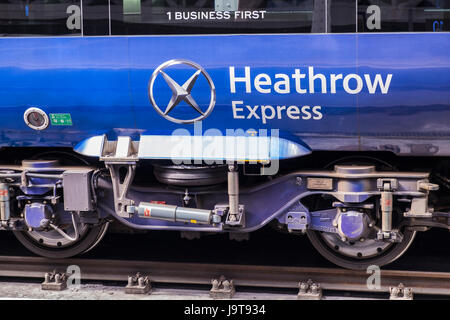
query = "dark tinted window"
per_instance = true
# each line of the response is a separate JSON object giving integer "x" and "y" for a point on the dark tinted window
{"x": 95, "y": 17}
{"x": 342, "y": 15}
{"x": 216, "y": 16}
{"x": 403, "y": 15}
{"x": 40, "y": 17}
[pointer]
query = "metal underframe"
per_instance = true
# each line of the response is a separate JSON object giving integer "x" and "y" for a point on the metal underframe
{"x": 121, "y": 188}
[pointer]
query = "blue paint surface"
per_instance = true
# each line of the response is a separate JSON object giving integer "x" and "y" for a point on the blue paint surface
{"x": 102, "y": 82}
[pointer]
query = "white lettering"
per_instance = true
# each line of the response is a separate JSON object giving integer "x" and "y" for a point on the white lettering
{"x": 293, "y": 112}
{"x": 265, "y": 116}
{"x": 263, "y": 79}
{"x": 334, "y": 77}
{"x": 313, "y": 77}
{"x": 298, "y": 77}
{"x": 285, "y": 83}
{"x": 246, "y": 79}
{"x": 281, "y": 83}
{"x": 236, "y": 109}
{"x": 372, "y": 86}
{"x": 317, "y": 112}
{"x": 359, "y": 84}
{"x": 305, "y": 110}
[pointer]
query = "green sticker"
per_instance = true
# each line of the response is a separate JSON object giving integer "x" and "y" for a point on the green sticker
{"x": 61, "y": 119}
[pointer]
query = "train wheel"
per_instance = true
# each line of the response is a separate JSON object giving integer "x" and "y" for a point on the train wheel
{"x": 52, "y": 244}
{"x": 359, "y": 255}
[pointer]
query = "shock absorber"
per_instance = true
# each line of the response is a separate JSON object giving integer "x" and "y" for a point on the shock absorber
{"x": 174, "y": 213}
{"x": 386, "y": 208}
{"x": 233, "y": 192}
{"x": 387, "y": 187}
{"x": 4, "y": 203}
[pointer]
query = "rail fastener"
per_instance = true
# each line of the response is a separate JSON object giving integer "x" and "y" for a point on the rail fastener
{"x": 54, "y": 281}
{"x": 222, "y": 288}
{"x": 401, "y": 293}
{"x": 309, "y": 290}
{"x": 138, "y": 284}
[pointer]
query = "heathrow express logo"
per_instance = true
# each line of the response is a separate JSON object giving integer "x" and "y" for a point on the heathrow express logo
{"x": 181, "y": 93}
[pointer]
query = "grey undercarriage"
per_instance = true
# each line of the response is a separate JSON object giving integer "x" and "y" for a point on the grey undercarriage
{"x": 354, "y": 214}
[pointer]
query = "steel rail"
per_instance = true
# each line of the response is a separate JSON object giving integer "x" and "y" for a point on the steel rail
{"x": 434, "y": 283}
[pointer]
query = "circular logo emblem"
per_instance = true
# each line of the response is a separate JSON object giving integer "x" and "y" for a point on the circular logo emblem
{"x": 181, "y": 93}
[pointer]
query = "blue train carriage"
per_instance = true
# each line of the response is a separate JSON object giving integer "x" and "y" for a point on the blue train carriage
{"x": 327, "y": 118}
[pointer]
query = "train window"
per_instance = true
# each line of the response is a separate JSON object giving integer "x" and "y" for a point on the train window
{"x": 216, "y": 16}
{"x": 403, "y": 15}
{"x": 342, "y": 16}
{"x": 95, "y": 17}
{"x": 40, "y": 17}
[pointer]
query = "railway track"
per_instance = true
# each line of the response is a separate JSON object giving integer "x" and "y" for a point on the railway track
{"x": 428, "y": 283}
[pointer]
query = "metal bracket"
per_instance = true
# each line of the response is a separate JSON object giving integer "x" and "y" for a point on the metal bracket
{"x": 222, "y": 288}
{"x": 401, "y": 293}
{"x": 236, "y": 220}
{"x": 309, "y": 291}
{"x": 419, "y": 209}
{"x": 426, "y": 186}
{"x": 138, "y": 284}
{"x": 393, "y": 183}
{"x": 389, "y": 236}
{"x": 121, "y": 189}
{"x": 298, "y": 220}
{"x": 54, "y": 281}
{"x": 123, "y": 150}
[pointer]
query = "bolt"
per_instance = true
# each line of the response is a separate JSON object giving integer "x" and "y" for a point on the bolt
{"x": 395, "y": 292}
{"x": 226, "y": 285}
{"x": 303, "y": 287}
{"x": 141, "y": 282}
{"x": 362, "y": 239}
{"x": 407, "y": 292}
